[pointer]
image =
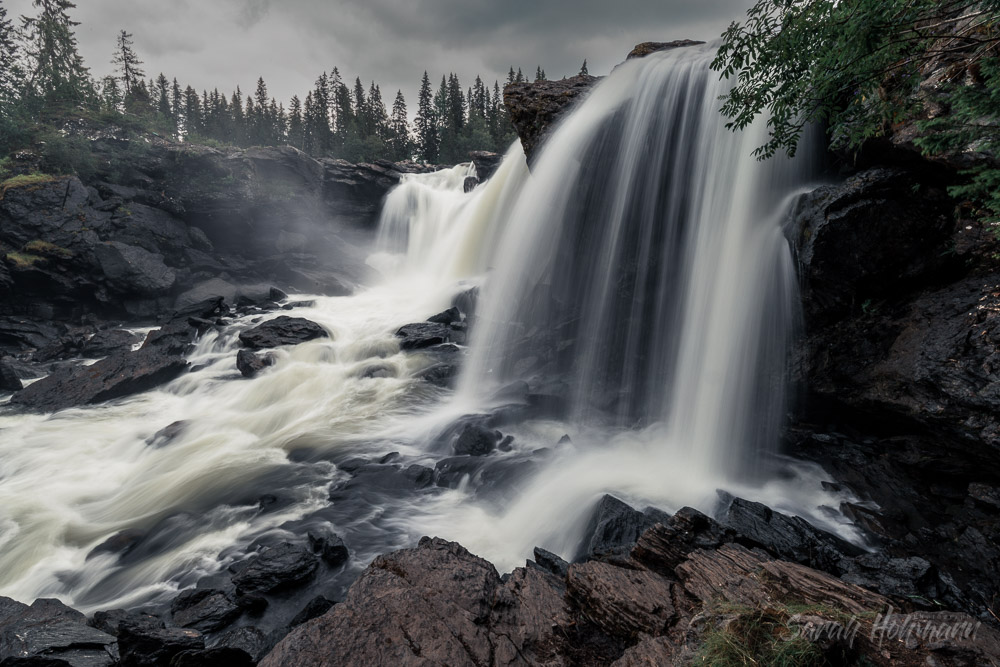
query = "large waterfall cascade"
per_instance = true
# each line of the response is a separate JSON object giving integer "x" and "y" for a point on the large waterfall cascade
{"x": 640, "y": 267}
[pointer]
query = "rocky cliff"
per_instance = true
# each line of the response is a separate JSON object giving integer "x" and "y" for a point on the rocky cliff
{"x": 164, "y": 225}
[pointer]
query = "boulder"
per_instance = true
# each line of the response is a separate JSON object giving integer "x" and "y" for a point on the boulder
{"x": 109, "y": 341}
{"x": 133, "y": 270}
{"x": 145, "y": 645}
{"x": 249, "y": 364}
{"x": 9, "y": 380}
{"x": 646, "y": 48}
{"x": 614, "y": 528}
{"x": 330, "y": 547}
{"x": 789, "y": 537}
{"x": 206, "y": 610}
{"x": 423, "y": 335}
{"x": 432, "y": 605}
{"x": 867, "y": 239}
{"x": 49, "y": 630}
{"x": 119, "y": 375}
{"x": 213, "y": 657}
{"x": 274, "y": 568}
{"x": 486, "y": 163}
{"x": 447, "y": 317}
{"x": 535, "y": 107}
{"x": 476, "y": 440}
{"x": 318, "y": 606}
{"x": 280, "y": 331}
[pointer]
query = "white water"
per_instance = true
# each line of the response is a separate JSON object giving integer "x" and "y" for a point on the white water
{"x": 641, "y": 181}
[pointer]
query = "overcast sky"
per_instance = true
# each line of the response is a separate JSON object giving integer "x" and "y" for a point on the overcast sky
{"x": 224, "y": 43}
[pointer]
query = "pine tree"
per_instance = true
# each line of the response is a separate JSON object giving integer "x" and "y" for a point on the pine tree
{"x": 456, "y": 104}
{"x": 378, "y": 119}
{"x": 192, "y": 112}
{"x": 426, "y": 123}
{"x": 343, "y": 110}
{"x": 309, "y": 125}
{"x": 539, "y": 74}
{"x": 56, "y": 73}
{"x": 163, "y": 96}
{"x": 322, "y": 99}
{"x": 520, "y": 77}
{"x": 10, "y": 71}
{"x": 400, "y": 129}
{"x": 583, "y": 68}
{"x": 511, "y": 77}
{"x": 176, "y": 104}
{"x": 127, "y": 63}
{"x": 238, "y": 133}
{"x": 111, "y": 95}
{"x": 296, "y": 134}
{"x": 361, "y": 108}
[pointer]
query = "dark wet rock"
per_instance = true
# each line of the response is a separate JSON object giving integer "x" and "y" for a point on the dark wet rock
{"x": 440, "y": 374}
{"x": 907, "y": 579}
{"x": 206, "y": 610}
{"x": 318, "y": 606}
{"x": 114, "y": 620}
{"x": 788, "y": 537}
{"x": 142, "y": 645}
{"x": 168, "y": 433}
{"x": 466, "y": 301}
{"x": 486, "y": 163}
{"x": 119, "y": 544}
{"x": 423, "y": 335}
{"x": 986, "y": 495}
{"x": 646, "y": 48}
{"x": 447, "y": 317}
{"x": 476, "y": 440}
{"x": 535, "y": 107}
{"x": 868, "y": 239}
{"x": 281, "y": 566}
{"x": 119, "y": 375}
{"x": 108, "y": 342}
{"x": 614, "y": 528}
{"x": 247, "y": 639}
{"x": 48, "y": 629}
{"x": 18, "y": 334}
{"x": 470, "y": 184}
{"x": 551, "y": 563}
{"x": 131, "y": 269}
{"x": 249, "y": 364}
{"x": 275, "y": 294}
{"x": 330, "y": 547}
{"x": 9, "y": 380}
{"x": 280, "y": 331}
{"x": 214, "y": 657}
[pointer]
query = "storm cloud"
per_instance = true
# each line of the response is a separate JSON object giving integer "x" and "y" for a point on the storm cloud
{"x": 225, "y": 43}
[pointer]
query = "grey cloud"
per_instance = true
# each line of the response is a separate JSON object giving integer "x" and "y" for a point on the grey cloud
{"x": 225, "y": 43}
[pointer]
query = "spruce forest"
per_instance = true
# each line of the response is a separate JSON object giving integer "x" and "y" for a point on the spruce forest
{"x": 45, "y": 83}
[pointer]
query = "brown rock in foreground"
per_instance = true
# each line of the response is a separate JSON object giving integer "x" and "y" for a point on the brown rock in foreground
{"x": 438, "y": 604}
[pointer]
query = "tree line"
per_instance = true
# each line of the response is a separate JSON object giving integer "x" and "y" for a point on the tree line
{"x": 44, "y": 80}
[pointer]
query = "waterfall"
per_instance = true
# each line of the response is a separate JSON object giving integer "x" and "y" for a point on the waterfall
{"x": 649, "y": 239}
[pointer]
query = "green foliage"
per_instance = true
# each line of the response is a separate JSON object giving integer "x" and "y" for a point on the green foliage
{"x": 854, "y": 66}
{"x": 69, "y": 155}
{"x": 23, "y": 181}
{"x": 745, "y": 636}
{"x": 971, "y": 124}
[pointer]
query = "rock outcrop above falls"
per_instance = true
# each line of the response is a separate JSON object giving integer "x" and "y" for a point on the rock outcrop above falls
{"x": 536, "y": 107}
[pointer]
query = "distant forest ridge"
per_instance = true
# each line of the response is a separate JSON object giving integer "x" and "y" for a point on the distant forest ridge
{"x": 44, "y": 82}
